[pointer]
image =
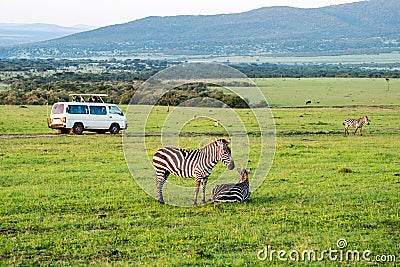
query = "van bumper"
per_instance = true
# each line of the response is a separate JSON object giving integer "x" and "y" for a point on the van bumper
{"x": 57, "y": 126}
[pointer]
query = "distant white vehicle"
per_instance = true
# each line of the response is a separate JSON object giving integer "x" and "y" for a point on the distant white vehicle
{"x": 87, "y": 112}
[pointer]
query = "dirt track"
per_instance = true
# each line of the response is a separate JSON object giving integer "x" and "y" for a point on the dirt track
{"x": 9, "y": 136}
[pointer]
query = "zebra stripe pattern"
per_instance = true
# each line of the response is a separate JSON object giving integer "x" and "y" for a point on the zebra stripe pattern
{"x": 358, "y": 124}
{"x": 239, "y": 192}
{"x": 191, "y": 163}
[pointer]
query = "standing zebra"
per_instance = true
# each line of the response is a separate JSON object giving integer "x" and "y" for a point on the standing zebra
{"x": 358, "y": 124}
{"x": 191, "y": 163}
{"x": 239, "y": 192}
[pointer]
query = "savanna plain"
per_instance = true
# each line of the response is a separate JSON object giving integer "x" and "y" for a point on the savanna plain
{"x": 70, "y": 200}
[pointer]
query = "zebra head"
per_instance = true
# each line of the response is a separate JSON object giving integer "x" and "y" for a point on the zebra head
{"x": 224, "y": 153}
{"x": 366, "y": 121}
{"x": 243, "y": 175}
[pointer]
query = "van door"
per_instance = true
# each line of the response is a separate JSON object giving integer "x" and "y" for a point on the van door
{"x": 76, "y": 113}
{"x": 98, "y": 118}
{"x": 116, "y": 116}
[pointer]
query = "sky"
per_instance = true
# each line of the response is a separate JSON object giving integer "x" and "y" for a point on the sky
{"x": 100, "y": 13}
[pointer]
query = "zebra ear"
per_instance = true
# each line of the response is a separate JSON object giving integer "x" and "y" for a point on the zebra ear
{"x": 239, "y": 170}
{"x": 222, "y": 142}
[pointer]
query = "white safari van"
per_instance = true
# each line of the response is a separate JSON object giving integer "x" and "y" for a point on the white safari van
{"x": 87, "y": 112}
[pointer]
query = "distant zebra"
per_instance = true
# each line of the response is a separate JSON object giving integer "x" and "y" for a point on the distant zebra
{"x": 358, "y": 124}
{"x": 191, "y": 163}
{"x": 239, "y": 192}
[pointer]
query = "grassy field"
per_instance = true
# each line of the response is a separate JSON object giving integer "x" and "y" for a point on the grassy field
{"x": 70, "y": 200}
{"x": 290, "y": 92}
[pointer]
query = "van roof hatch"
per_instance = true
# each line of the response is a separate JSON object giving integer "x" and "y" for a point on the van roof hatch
{"x": 88, "y": 97}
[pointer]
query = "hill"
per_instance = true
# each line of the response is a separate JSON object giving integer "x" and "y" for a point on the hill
{"x": 360, "y": 27}
{"x": 14, "y": 33}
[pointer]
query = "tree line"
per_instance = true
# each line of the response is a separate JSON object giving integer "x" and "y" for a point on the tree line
{"x": 370, "y": 70}
{"x": 39, "y": 82}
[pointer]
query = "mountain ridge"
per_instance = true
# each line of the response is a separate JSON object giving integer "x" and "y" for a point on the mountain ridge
{"x": 361, "y": 27}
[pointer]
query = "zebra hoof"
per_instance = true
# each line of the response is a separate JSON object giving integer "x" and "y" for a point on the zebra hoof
{"x": 161, "y": 201}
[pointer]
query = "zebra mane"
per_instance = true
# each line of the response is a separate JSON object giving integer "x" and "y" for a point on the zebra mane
{"x": 215, "y": 142}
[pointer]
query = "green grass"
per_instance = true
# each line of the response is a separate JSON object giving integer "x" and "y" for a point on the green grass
{"x": 63, "y": 205}
{"x": 24, "y": 120}
{"x": 70, "y": 200}
{"x": 290, "y": 92}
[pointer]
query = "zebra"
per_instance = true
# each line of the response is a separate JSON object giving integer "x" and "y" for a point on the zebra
{"x": 191, "y": 163}
{"x": 358, "y": 124}
{"x": 239, "y": 192}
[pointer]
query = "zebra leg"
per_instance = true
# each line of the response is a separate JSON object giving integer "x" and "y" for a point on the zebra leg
{"x": 346, "y": 130}
{"x": 360, "y": 131}
{"x": 161, "y": 179}
{"x": 354, "y": 133}
{"x": 203, "y": 192}
{"x": 196, "y": 191}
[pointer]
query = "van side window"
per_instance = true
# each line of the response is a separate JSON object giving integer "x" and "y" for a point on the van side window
{"x": 98, "y": 110}
{"x": 77, "y": 109}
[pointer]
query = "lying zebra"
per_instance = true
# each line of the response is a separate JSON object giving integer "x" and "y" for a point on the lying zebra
{"x": 358, "y": 124}
{"x": 239, "y": 192}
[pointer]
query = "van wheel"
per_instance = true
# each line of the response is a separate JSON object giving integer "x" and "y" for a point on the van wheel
{"x": 114, "y": 128}
{"x": 78, "y": 128}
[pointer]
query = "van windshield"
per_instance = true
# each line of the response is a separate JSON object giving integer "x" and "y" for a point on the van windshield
{"x": 116, "y": 110}
{"x": 57, "y": 109}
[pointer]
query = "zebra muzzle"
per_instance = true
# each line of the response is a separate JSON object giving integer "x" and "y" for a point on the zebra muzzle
{"x": 231, "y": 165}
